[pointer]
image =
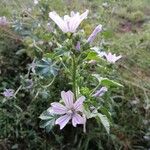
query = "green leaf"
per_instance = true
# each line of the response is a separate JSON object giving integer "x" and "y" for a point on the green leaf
{"x": 92, "y": 56}
{"x": 46, "y": 116}
{"x": 104, "y": 121}
{"x": 47, "y": 120}
{"x": 103, "y": 118}
{"x": 106, "y": 82}
{"x": 48, "y": 55}
{"x": 45, "y": 67}
{"x": 48, "y": 125}
{"x": 105, "y": 111}
{"x": 21, "y": 51}
{"x": 15, "y": 146}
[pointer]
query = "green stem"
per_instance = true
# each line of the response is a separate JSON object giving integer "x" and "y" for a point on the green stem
{"x": 95, "y": 88}
{"x": 74, "y": 68}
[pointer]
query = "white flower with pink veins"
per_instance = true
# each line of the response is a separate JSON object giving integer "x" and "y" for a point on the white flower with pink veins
{"x": 68, "y": 23}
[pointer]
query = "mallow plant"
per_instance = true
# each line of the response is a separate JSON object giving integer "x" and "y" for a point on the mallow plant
{"x": 75, "y": 56}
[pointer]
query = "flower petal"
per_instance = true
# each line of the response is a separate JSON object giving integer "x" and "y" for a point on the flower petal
{"x": 79, "y": 104}
{"x": 67, "y": 98}
{"x": 58, "y": 108}
{"x": 74, "y": 22}
{"x": 63, "y": 120}
{"x": 72, "y": 13}
{"x": 76, "y": 19}
{"x": 112, "y": 58}
{"x": 84, "y": 15}
{"x": 77, "y": 119}
{"x": 118, "y": 57}
{"x": 59, "y": 21}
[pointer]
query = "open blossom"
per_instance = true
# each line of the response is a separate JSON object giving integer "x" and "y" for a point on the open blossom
{"x": 3, "y": 21}
{"x": 100, "y": 92}
{"x": 68, "y": 23}
{"x": 94, "y": 33}
{"x": 8, "y": 93}
{"x": 70, "y": 111}
{"x": 112, "y": 58}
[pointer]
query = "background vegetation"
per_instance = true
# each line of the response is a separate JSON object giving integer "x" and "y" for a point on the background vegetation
{"x": 126, "y": 31}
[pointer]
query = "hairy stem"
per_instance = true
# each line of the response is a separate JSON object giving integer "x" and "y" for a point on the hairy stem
{"x": 74, "y": 68}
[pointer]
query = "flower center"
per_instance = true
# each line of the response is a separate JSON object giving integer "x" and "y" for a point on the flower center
{"x": 71, "y": 111}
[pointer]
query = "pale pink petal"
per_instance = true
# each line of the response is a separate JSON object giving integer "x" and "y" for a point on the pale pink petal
{"x": 72, "y": 13}
{"x": 118, "y": 57}
{"x": 77, "y": 119}
{"x": 67, "y": 98}
{"x": 76, "y": 20}
{"x": 63, "y": 120}
{"x": 58, "y": 108}
{"x": 112, "y": 58}
{"x": 84, "y": 15}
{"x": 78, "y": 105}
{"x": 74, "y": 23}
{"x": 59, "y": 21}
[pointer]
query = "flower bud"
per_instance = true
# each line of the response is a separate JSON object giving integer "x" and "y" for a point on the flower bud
{"x": 94, "y": 33}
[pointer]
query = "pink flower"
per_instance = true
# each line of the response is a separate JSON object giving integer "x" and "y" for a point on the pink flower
{"x": 8, "y": 93}
{"x": 68, "y": 23}
{"x": 94, "y": 33}
{"x": 100, "y": 92}
{"x": 70, "y": 111}
{"x": 3, "y": 21}
{"x": 112, "y": 58}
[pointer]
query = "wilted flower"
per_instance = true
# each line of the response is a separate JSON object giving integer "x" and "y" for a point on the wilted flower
{"x": 71, "y": 111}
{"x": 68, "y": 23}
{"x": 8, "y": 93}
{"x": 3, "y": 21}
{"x": 78, "y": 46}
{"x": 100, "y": 92}
{"x": 112, "y": 58}
{"x": 94, "y": 33}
